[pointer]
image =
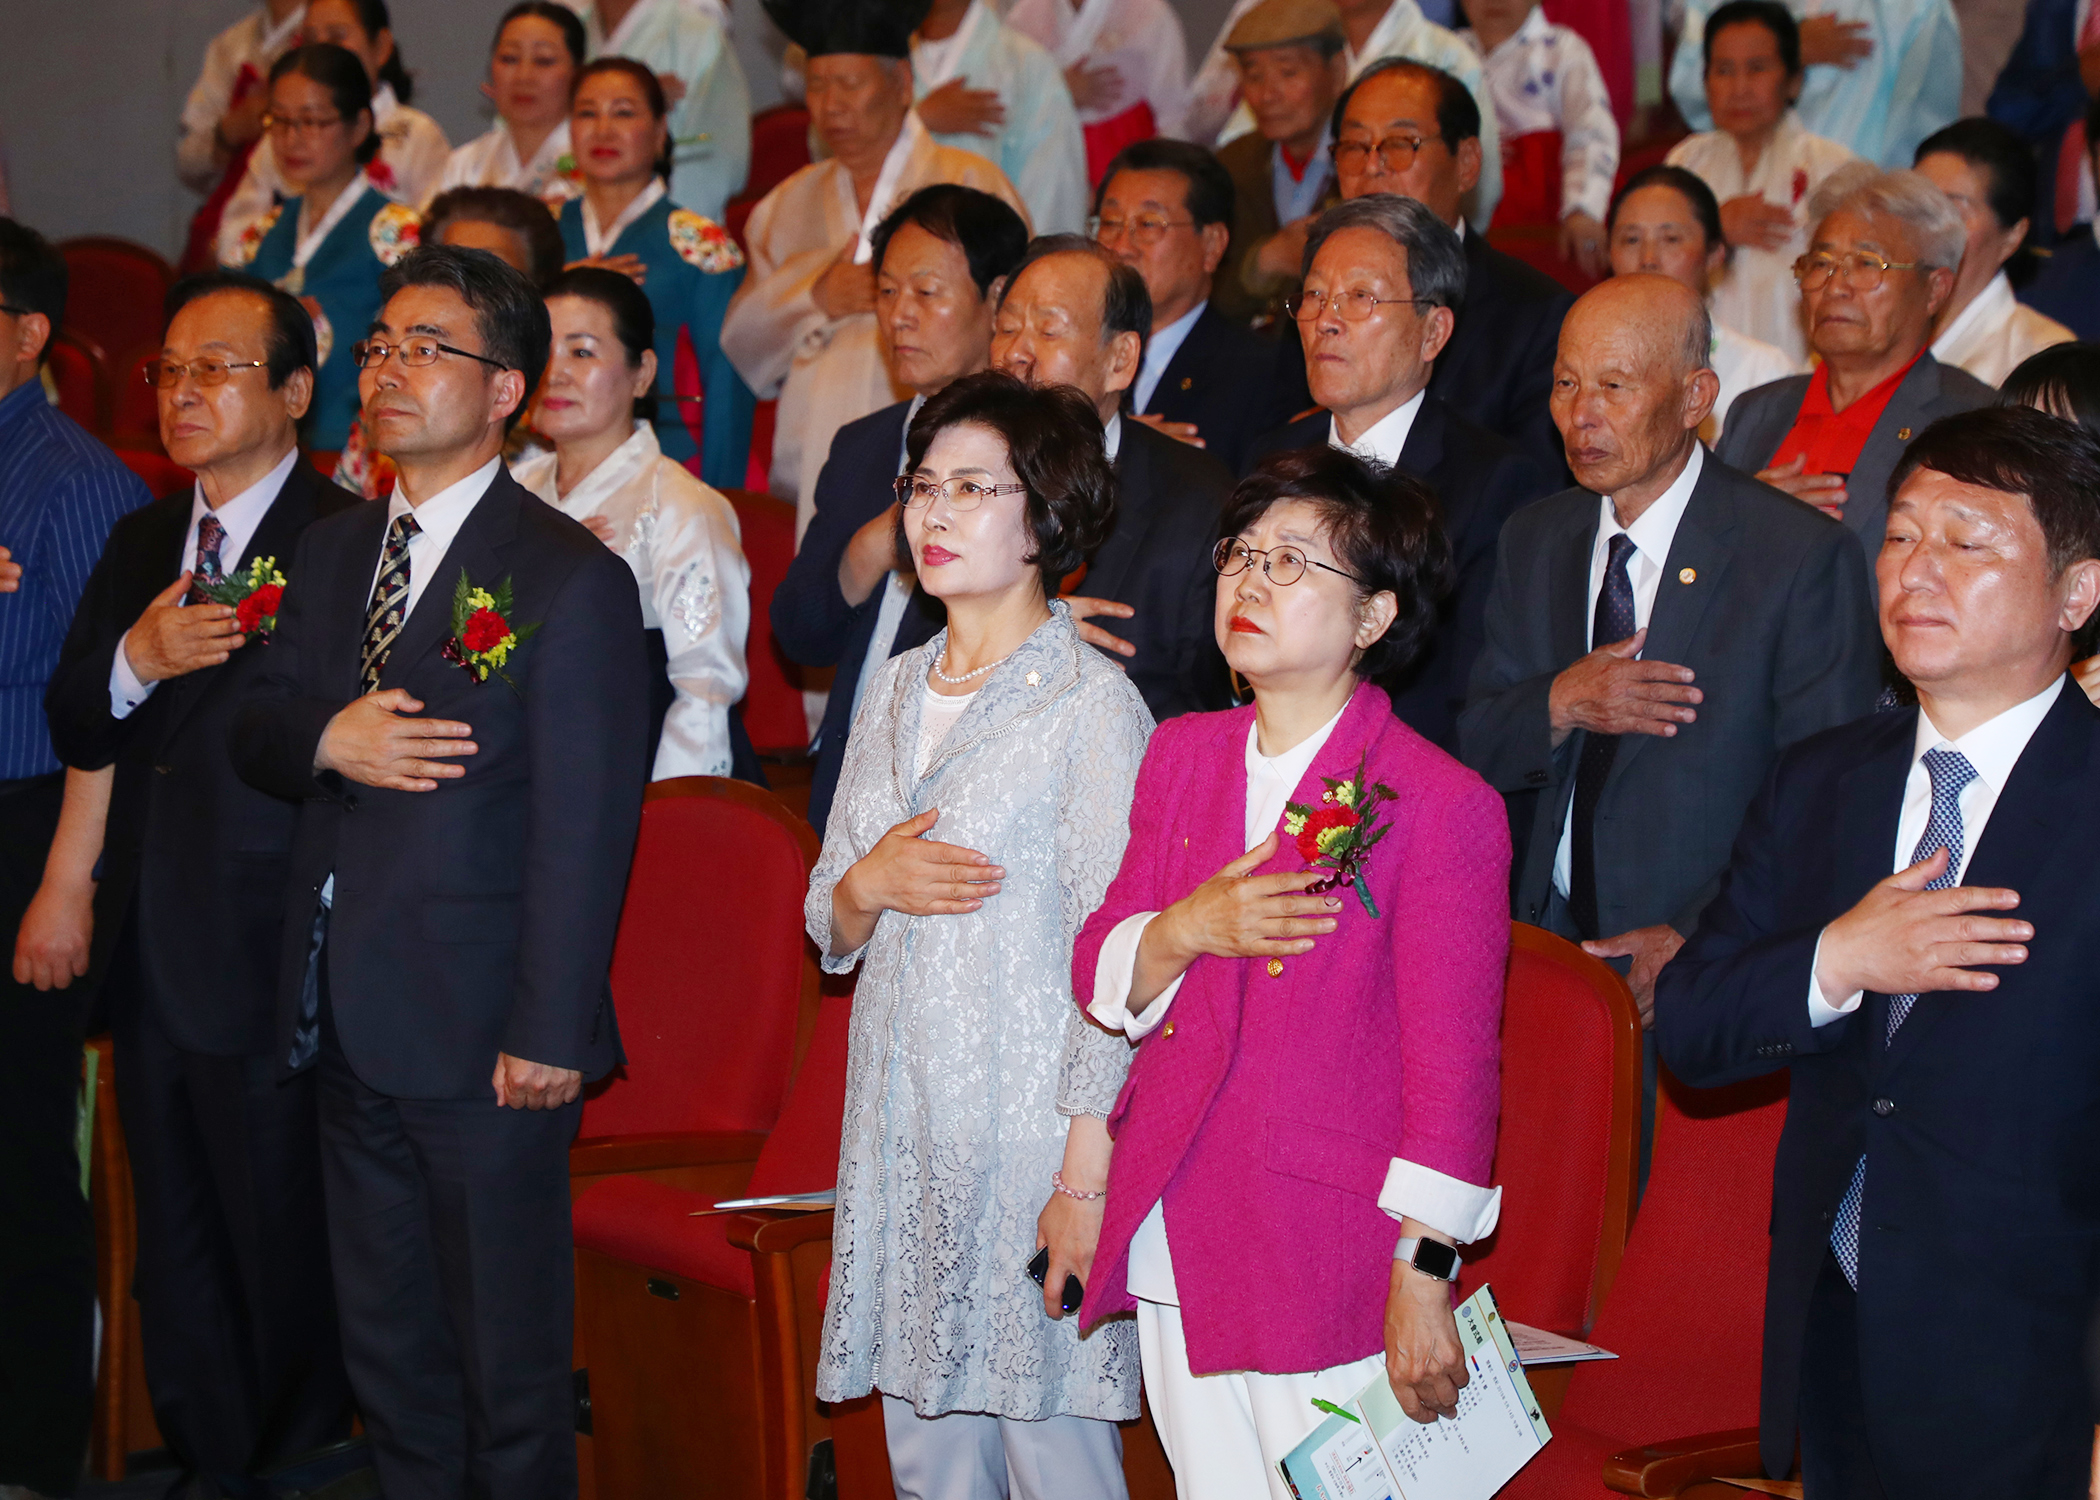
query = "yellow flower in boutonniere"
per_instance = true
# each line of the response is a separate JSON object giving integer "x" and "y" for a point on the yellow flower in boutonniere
{"x": 482, "y": 635}
{"x": 1338, "y": 835}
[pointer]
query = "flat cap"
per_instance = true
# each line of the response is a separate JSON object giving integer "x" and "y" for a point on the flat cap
{"x": 1278, "y": 23}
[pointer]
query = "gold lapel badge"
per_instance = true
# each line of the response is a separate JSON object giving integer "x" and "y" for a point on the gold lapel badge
{"x": 1687, "y": 575}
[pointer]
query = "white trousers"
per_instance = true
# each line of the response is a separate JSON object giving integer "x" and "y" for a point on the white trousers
{"x": 1226, "y": 1433}
{"x": 970, "y": 1456}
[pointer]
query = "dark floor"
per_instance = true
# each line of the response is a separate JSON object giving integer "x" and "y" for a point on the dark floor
{"x": 342, "y": 1473}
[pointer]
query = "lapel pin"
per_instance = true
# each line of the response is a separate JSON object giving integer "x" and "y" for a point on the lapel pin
{"x": 1035, "y": 679}
{"x": 1687, "y": 575}
{"x": 1902, "y": 434}
{"x": 1187, "y": 381}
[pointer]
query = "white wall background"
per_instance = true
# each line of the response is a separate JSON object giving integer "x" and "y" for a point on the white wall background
{"x": 90, "y": 91}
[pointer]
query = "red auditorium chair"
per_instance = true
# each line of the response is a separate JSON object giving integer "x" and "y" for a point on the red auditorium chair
{"x": 76, "y": 366}
{"x": 1677, "y": 1410}
{"x": 114, "y": 293}
{"x": 779, "y": 149}
{"x": 163, "y": 475}
{"x": 773, "y": 715}
{"x": 1567, "y": 1148}
{"x": 134, "y": 414}
{"x": 714, "y": 985}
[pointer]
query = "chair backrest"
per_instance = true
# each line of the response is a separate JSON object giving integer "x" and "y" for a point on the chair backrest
{"x": 801, "y": 1155}
{"x": 714, "y": 983}
{"x": 115, "y": 290}
{"x": 163, "y": 475}
{"x": 76, "y": 369}
{"x": 1686, "y": 1316}
{"x": 1567, "y": 1146}
{"x": 779, "y": 149}
{"x": 134, "y": 413}
{"x": 773, "y": 714}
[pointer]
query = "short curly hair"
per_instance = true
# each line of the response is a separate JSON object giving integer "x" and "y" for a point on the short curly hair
{"x": 1053, "y": 440}
{"x": 1385, "y": 527}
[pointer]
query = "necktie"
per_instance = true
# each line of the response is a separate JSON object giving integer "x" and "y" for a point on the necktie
{"x": 211, "y": 536}
{"x": 1950, "y": 771}
{"x": 389, "y": 602}
{"x": 1613, "y": 621}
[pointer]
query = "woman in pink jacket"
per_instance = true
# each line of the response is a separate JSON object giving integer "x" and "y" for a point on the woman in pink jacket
{"x": 1309, "y": 929}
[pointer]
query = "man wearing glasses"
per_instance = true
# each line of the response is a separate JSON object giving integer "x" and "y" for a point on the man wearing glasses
{"x": 1166, "y": 208}
{"x": 1880, "y": 266}
{"x": 1384, "y": 279}
{"x": 470, "y": 774}
{"x": 186, "y": 919}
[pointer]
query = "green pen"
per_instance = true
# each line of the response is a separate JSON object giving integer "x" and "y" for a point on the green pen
{"x": 1335, "y": 1411}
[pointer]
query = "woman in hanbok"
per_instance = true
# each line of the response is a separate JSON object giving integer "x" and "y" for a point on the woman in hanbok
{"x": 678, "y": 535}
{"x": 1763, "y": 167}
{"x": 1126, "y": 63}
{"x": 980, "y": 814}
{"x": 688, "y": 265}
{"x": 412, "y": 146}
{"x": 532, "y": 73}
{"x": 327, "y": 244}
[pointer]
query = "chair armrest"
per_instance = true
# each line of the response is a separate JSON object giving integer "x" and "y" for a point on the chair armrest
{"x": 607, "y": 1154}
{"x": 1667, "y": 1467}
{"x": 773, "y": 1232}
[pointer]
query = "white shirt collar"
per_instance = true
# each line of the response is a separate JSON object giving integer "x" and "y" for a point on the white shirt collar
{"x": 1112, "y": 436}
{"x": 1988, "y": 310}
{"x": 600, "y": 241}
{"x": 1272, "y": 778}
{"x": 1994, "y": 746}
{"x": 1656, "y": 527}
{"x": 241, "y": 514}
{"x": 614, "y": 470}
{"x": 1386, "y": 436}
{"x": 384, "y": 103}
{"x": 1399, "y": 21}
{"x": 440, "y": 517}
{"x": 273, "y": 36}
{"x": 1160, "y": 350}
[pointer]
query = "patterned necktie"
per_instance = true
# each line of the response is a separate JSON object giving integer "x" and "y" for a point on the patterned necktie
{"x": 1613, "y": 621}
{"x": 208, "y": 572}
{"x": 1950, "y": 771}
{"x": 389, "y": 602}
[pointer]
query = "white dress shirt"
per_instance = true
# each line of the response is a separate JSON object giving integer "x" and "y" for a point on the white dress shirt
{"x": 240, "y": 516}
{"x": 1160, "y": 350}
{"x": 1992, "y": 748}
{"x": 1384, "y": 439}
{"x": 439, "y": 518}
{"x": 1652, "y": 532}
{"x": 1994, "y": 334}
{"x": 1458, "y": 1208}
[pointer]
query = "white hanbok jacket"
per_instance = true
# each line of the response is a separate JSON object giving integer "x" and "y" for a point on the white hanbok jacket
{"x": 1141, "y": 39}
{"x": 491, "y": 160}
{"x": 1994, "y": 334}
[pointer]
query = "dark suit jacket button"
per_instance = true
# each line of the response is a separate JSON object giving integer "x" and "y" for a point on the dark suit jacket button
{"x": 1884, "y": 1107}
{"x": 1537, "y": 778}
{"x": 165, "y": 770}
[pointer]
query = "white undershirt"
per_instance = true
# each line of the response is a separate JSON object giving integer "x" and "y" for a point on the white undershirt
{"x": 936, "y": 717}
{"x": 1384, "y": 438}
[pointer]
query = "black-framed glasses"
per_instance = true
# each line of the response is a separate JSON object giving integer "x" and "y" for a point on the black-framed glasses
{"x": 1282, "y": 566}
{"x": 9, "y": 307}
{"x": 370, "y": 354}
{"x": 1862, "y": 269}
{"x": 1396, "y": 152}
{"x": 1350, "y": 307}
{"x": 1143, "y": 229}
{"x": 166, "y": 374}
{"x": 963, "y": 493}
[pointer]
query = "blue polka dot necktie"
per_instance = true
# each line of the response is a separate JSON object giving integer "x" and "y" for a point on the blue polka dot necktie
{"x": 1950, "y": 771}
{"x": 1613, "y": 621}
{"x": 208, "y": 571}
{"x": 389, "y": 607}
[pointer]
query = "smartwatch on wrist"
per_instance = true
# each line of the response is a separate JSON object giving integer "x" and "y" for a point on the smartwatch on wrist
{"x": 1433, "y": 1258}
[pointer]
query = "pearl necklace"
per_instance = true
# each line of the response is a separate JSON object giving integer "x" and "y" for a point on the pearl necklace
{"x": 959, "y": 681}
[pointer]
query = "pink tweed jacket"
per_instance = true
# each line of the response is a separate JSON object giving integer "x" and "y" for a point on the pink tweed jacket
{"x": 1268, "y": 1109}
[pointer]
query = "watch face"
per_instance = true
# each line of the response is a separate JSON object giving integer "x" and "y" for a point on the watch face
{"x": 1435, "y": 1258}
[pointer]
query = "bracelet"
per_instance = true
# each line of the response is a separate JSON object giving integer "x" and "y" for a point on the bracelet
{"x": 1057, "y": 1180}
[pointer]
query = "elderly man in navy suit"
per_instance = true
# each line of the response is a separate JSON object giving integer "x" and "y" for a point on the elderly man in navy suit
{"x": 1936, "y": 1199}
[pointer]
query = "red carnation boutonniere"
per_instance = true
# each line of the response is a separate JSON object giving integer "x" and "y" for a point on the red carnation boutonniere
{"x": 1800, "y": 185}
{"x": 483, "y": 636}
{"x": 1338, "y": 835}
{"x": 255, "y": 592}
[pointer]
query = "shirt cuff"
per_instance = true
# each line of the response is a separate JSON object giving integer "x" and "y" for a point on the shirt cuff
{"x": 126, "y": 692}
{"x": 1446, "y": 1204}
{"x": 1821, "y": 1012}
{"x": 1113, "y": 971}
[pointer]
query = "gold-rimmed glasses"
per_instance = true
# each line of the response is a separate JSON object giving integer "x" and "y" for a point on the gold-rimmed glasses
{"x": 1863, "y": 270}
{"x": 1396, "y": 152}
{"x": 166, "y": 374}
{"x": 963, "y": 491}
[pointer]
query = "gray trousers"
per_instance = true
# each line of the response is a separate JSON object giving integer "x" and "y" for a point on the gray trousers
{"x": 970, "y": 1456}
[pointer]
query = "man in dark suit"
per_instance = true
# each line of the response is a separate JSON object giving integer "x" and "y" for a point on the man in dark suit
{"x": 1936, "y": 1197}
{"x": 455, "y": 884}
{"x": 2067, "y": 287}
{"x": 1075, "y": 315}
{"x": 1165, "y": 207}
{"x": 1654, "y": 639}
{"x": 1370, "y": 374}
{"x": 1405, "y": 127}
{"x": 1879, "y": 268}
{"x": 941, "y": 258}
{"x": 238, "y": 1317}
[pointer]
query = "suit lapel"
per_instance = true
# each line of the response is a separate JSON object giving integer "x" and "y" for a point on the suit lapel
{"x": 476, "y": 549}
{"x": 1906, "y": 415}
{"x": 1568, "y": 588}
{"x": 1189, "y": 360}
{"x": 343, "y": 616}
{"x": 1112, "y": 561}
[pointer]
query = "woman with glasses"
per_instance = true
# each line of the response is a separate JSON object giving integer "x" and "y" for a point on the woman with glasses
{"x": 1762, "y": 165}
{"x": 328, "y": 243}
{"x": 412, "y": 146}
{"x": 1309, "y": 932}
{"x": 688, "y": 265}
{"x": 679, "y": 536}
{"x": 532, "y": 72}
{"x": 980, "y": 814}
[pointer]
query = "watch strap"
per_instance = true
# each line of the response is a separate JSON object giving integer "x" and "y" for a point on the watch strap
{"x": 1432, "y": 1258}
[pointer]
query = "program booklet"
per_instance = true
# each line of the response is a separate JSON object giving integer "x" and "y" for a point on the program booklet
{"x": 1373, "y": 1450}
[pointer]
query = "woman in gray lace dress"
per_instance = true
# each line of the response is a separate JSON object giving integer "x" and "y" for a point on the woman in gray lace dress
{"x": 981, "y": 813}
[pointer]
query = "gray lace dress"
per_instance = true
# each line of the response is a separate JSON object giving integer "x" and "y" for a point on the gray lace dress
{"x": 968, "y": 1054}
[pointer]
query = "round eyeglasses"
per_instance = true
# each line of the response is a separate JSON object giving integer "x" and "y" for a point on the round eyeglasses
{"x": 1282, "y": 566}
{"x": 962, "y": 493}
{"x": 166, "y": 374}
{"x": 1863, "y": 271}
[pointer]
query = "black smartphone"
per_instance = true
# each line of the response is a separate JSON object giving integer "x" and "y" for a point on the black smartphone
{"x": 1073, "y": 1294}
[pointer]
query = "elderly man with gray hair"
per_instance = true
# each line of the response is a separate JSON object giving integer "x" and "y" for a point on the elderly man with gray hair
{"x": 1383, "y": 281}
{"x": 1880, "y": 265}
{"x": 1655, "y": 637}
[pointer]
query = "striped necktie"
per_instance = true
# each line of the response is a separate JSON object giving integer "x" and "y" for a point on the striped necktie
{"x": 208, "y": 571}
{"x": 1950, "y": 771}
{"x": 389, "y": 609}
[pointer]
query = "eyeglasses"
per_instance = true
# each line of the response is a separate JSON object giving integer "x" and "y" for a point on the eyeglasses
{"x": 166, "y": 374}
{"x": 1862, "y": 269}
{"x": 1144, "y": 230}
{"x": 299, "y": 124}
{"x": 963, "y": 494}
{"x": 9, "y": 307}
{"x": 1396, "y": 152}
{"x": 1282, "y": 566}
{"x": 1350, "y": 307}
{"x": 370, "y": 354}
